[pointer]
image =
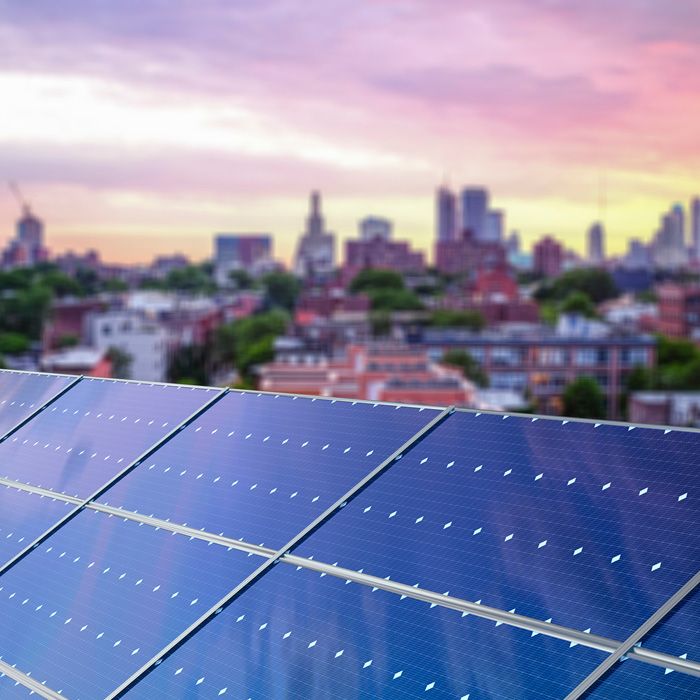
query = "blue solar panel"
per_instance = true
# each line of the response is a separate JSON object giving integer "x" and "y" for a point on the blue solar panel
{"x": 630, "y": 680}
{"x": 261, "y": 467}
{"x": 13, "y": 690}
{"x": 295, "y": 634}
{"x": 23, "y": 517}
{"x": 593, "y": 526}
{"x": 93, "y": 431}
{"x": 22, "y": 394}
{"x": 102, "y": 595}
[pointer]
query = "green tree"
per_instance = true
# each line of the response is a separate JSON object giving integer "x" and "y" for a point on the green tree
{"x": 13, "y": 343}
{"x": 281, "y": 289}
{"x": 394, "y": 300}
{"x": 597, "y": 284}
{"x": 578, "y": 303}
{"x": 193, "y": 279}
{"x": 583, "y": 398}
{"x": 241, "y": 279}
{"x": 371, "y": 280}
{"x": 190, "y": 365}
{"x": 121, "y": 363}
{"x": 380, "y": 322}
{"x": 471, "y": 369}
{"x": 446, "y": 318}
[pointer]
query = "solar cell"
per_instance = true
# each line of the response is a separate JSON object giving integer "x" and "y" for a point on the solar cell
{"x": 93, "y": 431}
{"x": 22, "y": 394}
{"x": 261, "y": 467}
{"x": 594, "y": 526}
{"x": 101, "y": 595}
{"x": 629, "y": 679}
{"x": 296, "y": 634}
{"x": 13, "y": 690}
{"x": 23, "y": 517}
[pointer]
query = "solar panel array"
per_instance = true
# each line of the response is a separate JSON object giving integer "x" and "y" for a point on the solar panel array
{"x": 176, "y": 542}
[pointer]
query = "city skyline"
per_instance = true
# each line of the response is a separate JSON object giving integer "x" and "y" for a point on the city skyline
{"x": 162, "y": 131}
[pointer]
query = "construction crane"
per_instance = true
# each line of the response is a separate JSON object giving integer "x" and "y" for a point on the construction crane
{"x": 14, "y": 188}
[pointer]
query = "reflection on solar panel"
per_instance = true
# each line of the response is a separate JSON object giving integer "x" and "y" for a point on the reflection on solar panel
{"x": 165, "y": 542}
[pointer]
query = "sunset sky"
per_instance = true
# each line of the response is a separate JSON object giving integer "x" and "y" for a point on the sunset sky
{"x": 144, "y": 126}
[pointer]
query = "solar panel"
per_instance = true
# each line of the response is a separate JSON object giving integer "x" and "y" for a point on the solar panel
{"x": 593, "y": 527}
{"x": 261, "y": 467}
{"x": 103, "y": 594}
{"x": 22, "y": 394}
{"x": 295, "y": 634}
{"x": 491, "y": 557}
{"x": 23, "y": 517}
{"x": 93, "y": 431}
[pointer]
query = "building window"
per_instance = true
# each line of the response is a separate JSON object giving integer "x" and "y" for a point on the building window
{"x": 551, "y": 357}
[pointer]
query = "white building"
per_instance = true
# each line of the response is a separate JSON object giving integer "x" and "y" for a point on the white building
{"x": 143, "y": 339}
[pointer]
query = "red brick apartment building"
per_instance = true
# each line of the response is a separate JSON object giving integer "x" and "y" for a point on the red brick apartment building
{"x": 679, "y": 310}
{"x": 373, "y": 373}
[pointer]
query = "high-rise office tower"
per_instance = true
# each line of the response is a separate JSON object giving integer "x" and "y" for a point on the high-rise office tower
{"x": 596, "y": 243}
{"x": 445, "y": 215}
{"x": 475, "y": 204}
{"x": 695, "y": 226}
{"x": 316, "y": 252}
{"x": 678, "y": 226}
{"x": 493, "y": 226}
{"x": 513, "y": 243}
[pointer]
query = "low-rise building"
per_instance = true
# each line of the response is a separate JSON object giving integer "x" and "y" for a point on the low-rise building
{"x": 679, "y": 310}
{"x": 372, "y": 372}
{"x": 467, "y": 254}
{"x": 144, "y": 340}
{"x": 541, "y": 361}
{"x": 665, "y": 408}
{"x": 88, "y": 361}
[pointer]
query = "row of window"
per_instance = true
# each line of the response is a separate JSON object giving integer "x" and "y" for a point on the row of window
{"x": 559, "y": 357}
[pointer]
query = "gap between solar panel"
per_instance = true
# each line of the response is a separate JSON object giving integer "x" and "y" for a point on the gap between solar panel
{"x": 117, "y": 477}
{"x": 277, "y": 555}
{"x": 29, "y": 682}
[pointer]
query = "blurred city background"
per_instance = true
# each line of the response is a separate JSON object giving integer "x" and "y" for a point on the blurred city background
{"x": 493, "y": 205}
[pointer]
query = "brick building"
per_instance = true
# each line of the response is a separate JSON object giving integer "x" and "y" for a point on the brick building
{"x": 679, "y": 310}
{"x": 467, "y": 255}
{"x": 371, "y": 372}
{"x": 541, "y": 362}
{"x": 548, "y": 257}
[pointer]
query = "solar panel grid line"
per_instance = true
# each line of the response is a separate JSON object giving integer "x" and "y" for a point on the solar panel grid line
{"x": 490, "y": 613}
{"x": 533, "y": 417}
{"x": 113, "y": 480}
{"x": 635, "y": 638}
{"x": 29, "y": 682}
{"x": 41, "y": 408}
{"x": 297, "y": 539}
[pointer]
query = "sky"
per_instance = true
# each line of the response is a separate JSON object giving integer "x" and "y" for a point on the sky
{"x": 143, "y": 127}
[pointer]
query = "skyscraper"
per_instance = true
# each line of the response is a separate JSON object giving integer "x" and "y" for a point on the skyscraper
{"x": 678, "y": 226}
{"x": 445, "y": 214}
{"x": 493, "y": 226}
{"x": 475, "y": 204}
{"x": 372, "y": 227}
{"x": 695, "y": 226}
{"x": 596, "y": 243}
{"x": 316, "y": 252}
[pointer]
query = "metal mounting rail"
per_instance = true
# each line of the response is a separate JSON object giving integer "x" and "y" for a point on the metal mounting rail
{"x": 265, "y": 566}
{"x": 530, "y": 624}
{"x": 28, "y": 682}
{"x": 117, "y": 477}
{"x": 629, "y": 644}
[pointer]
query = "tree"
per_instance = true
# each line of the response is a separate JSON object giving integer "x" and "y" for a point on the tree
{"x": 446, "y": 318}
{"x": 371, "y": 280}
{"x": 194, "y": 279}
{"x": 121, "y": 362}
{"x": 13, "y": 343}
{"x": 380, "y": 322}
{"x": 471, "y": 369}
{"x": 578, "y": 303}
{"x": 241, "y": 279}
{"x": 597, "y": 284}
{"x": 281, "y": 289}
{"x": 394, "y": 300}
{"x": 189, "y": 365}
{"x": 583, "y": 398}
